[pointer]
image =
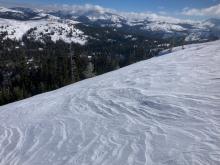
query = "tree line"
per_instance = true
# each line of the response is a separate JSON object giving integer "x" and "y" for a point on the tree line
{"x": 29, "y": 67}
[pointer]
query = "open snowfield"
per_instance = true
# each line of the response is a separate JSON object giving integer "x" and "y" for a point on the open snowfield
{"x": 163, "y": 111}
{"x": 53, "y": 27}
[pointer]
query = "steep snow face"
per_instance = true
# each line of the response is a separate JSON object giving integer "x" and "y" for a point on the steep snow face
{"x": 165, "y": 110}
{"x": 52, "y": 26}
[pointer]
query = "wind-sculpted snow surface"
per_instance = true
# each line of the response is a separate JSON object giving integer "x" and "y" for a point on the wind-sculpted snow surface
{"x": 163, "y": 111}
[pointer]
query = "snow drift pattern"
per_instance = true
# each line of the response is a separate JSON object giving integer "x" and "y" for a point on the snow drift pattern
{"x": 165, "y": 110}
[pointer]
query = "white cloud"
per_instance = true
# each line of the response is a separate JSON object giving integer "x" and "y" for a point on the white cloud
{"x": 87, "y": 8}
{"x": 163, "y": 12}
{"x": 213, "y": 11}
{"x": 80, "y": 9}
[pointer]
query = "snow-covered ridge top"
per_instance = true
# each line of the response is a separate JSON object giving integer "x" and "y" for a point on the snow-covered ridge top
{"x": 147, "y": 20}
{"x": 97, "y": 11}
{"x": 161, "y": 111}
{"x": 164, "y": 27}
{"x": 3, "y": 9}
{"x": 54, "y": 27}
{"x": 148, "y": 23}
{"x": 135, "y": 17}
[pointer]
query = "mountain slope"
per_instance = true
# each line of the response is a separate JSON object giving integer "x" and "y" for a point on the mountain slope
{"x": 161, "y": 111}
{"x": 38, "y": 30}
{"x": 139, "y": 24}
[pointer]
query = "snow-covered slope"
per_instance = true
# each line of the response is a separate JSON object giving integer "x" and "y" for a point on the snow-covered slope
{"x": 52, "y": 27}
{"x": 165, "y": 110}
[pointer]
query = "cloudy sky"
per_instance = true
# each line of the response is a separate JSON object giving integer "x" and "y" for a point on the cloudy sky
{"x": 190, "y": 9}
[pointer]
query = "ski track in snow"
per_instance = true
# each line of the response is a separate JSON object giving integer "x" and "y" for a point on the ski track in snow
{"x": 163, "y": 111}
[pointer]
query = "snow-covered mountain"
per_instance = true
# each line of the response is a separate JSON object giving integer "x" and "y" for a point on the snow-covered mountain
{"x": 161, "y": 111}
{"x": 17, "y": 22}
{"x": 149, "y": 23}
{"x": 20, "y": 13}
{"x": 40, "y": 28}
